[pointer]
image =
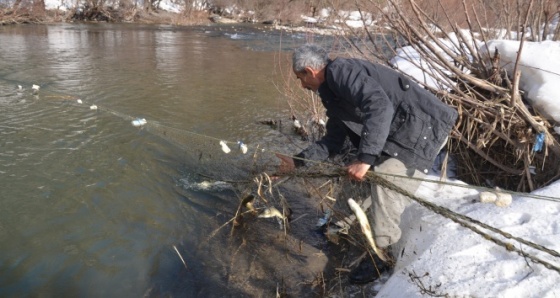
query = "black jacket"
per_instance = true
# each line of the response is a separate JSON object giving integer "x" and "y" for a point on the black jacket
{"x": 382, "y": 112}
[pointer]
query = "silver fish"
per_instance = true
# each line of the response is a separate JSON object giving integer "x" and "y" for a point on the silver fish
{"x": 345, "y": 223}
{"x": 271, "y": 212}
{"x": 366, "y": 228}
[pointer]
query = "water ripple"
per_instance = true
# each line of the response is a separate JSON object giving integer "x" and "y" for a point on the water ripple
{"x": 89, "y": 204}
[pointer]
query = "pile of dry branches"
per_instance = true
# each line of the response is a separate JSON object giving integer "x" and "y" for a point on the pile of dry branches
{"x": 21, "y": 12}
{"x": 496, "y": 132}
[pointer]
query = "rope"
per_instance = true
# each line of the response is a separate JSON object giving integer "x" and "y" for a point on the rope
{"x": 541, "y": 69}
{"x": 373, "y": 177}
{"x": 163, "y": 129}
{"x": 479, "y": 188}
{"x": 446, "y": 183}
{"x": 466, "y": 221}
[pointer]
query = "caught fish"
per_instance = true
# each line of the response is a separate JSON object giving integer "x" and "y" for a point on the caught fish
{"x": 272, "y": 212}
{"x": 366, "y": 228}
{"x": 346, "y": 222}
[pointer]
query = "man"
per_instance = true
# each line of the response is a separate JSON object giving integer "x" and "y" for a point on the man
{"x": 397, "y": 127}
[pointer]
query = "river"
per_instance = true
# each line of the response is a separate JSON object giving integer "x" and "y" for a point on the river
{"x": 94, "y": 206}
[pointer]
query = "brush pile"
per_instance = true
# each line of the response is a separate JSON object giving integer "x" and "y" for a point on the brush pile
{"x": 499, "y": 140}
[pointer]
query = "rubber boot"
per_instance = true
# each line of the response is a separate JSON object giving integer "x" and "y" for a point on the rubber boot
{"x": 368, "y": 270}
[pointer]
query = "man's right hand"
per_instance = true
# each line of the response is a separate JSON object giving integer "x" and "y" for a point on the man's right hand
{"x": 286, "y": 164}
{"x": 358, "y": 170}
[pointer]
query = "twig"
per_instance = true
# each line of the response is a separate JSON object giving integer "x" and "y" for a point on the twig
{"x": 181, "y": 257}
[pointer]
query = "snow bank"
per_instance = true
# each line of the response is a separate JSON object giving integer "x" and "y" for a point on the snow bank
{"x": 440, "y": 255}
{"x": 540, "y": 71}
{"x": 539, "y": 65}
{"x": 409, "y": 60}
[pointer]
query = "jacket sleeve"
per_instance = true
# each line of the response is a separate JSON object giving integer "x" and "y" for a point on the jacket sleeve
{"x": 331, "y": 143}
{"x": 351, "y": 82}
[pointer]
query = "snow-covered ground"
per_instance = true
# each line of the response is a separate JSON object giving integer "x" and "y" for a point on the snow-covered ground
{"x": 166, "y": 5}
{"x": 442, "y": 257}
{"x": 344, "y": 18}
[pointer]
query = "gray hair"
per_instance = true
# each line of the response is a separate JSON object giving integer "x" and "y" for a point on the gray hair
{"x": 309, "y": 55}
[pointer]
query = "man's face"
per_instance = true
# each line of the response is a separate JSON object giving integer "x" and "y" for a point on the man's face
{"x": 309, "y": 79}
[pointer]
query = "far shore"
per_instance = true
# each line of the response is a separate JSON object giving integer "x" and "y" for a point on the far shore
{"x": 170, "y": 18}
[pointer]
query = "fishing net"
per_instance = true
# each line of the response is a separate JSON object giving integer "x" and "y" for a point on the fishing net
{"x": 263, "y": 194}
{"x": 219, "y": 160}
{"x": 271, "y": 215}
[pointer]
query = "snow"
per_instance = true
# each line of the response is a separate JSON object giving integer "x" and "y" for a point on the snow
{"x": 58, "y": 4}
{"x": 540, "y": 71}
{"x": 408, "y": 60}
{"x": 444, "y": 257}
{"x": 539, "y": 65}
{"x": 166, "y": 5}
{"x": 451, "y": 259}
{"x": 354, "y": 19}
{"x": 351, "y": 19}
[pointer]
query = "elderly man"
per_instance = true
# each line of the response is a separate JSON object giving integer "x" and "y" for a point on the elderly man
{"x": 397, "y": 127}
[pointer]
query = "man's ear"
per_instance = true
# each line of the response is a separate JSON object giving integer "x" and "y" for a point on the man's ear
{"x": 310, "y": 71}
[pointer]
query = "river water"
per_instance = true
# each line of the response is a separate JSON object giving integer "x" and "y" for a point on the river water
{"x": 93, "y": 206}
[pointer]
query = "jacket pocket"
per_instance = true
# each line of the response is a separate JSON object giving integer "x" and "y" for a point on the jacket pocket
{"x": 431, "y": 138}
{"x": 406, "y": 127}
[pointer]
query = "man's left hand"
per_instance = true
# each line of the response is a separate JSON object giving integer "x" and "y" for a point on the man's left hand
{"x": 287, "y": 164}
{"x": 358, "y": 170}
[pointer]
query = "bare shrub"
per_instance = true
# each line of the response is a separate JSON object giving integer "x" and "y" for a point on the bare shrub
{"x": 496, "y": 131}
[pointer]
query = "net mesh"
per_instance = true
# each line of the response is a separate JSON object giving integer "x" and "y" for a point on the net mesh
{"x": 219, "y": 160}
